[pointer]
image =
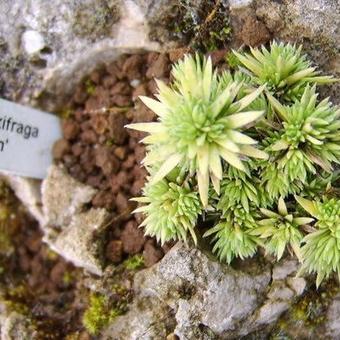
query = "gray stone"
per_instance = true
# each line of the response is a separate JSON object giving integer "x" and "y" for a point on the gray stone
{"x": 270, "y": 312}
{"x": 298, "y": 284}
{"x": 284, "y": 268}
{"x": 79, "y": 236}
{"x": 14, "y": 326}
{"x": 333, "y": 318}
{"x": 202, "y": 298}
{"x": 47, "y": 47}
{"x": 33, "y": 41}
{"x": 81, "y": 242}
{"x": 63, "y": 197}
{"x": 163, "y": 15}
{"x": 28, "y": 191}
{"x": 237, "y": 4}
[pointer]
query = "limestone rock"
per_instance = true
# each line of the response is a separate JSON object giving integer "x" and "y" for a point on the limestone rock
{"x": 204, "y": 299}
{"x": 81, "y": 241}
{"x": 28, "y": 191}
{"x": 47, "y": 47}
{"x": 63, "y": 197}
{"x": 70, "y": 229}
{"x": 333, "y": 319}
{"x": 313, "y": 23}
{"x": 15, "y": 326}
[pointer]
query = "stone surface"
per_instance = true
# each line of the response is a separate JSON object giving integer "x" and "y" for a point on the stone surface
{"x": 162, "y": 16}
{"x": 15, "y": 326}
{"x": 81, "y": 242}
{"x": 79, "y": 236}
{"x": 333, "y": 317}
{"x": 33, "y": 41}
{"x": 202, "y": 299}
{"x": 28, "y": 191}
{"x": 47, "y": 47}
{"x": 63, "y": 197}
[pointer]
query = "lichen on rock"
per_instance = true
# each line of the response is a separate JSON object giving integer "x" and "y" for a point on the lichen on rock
{"x": 195, "y": 297}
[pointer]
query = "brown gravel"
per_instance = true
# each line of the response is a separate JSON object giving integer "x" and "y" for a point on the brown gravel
{"x": 98, "y": 150}
{"x": 38, "y": 283}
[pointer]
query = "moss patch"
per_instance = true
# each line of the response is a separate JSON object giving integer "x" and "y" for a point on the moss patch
{"x": 104, "y": 309}
{"x": 95, "y": 19}
{"x": 306, "y": 318}
{"x": 203, "y": 25}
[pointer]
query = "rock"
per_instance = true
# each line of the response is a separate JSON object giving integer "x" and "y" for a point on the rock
{"x": 237, "y": 4}
{"x": 284, "y": 268}
{"x": 298, "y": 284}
{"x": 333, "y": 320}
{"x": 81, "y": 241}
{"x": 313, "y": 23}
{"x": 33, "y": 41}
{"x": 60, "y": 148}
{"x": 28, "y": 191}
{"x": 63, "y": 197}
{"x": 114, "y": 251}
{"x": 248, "y": 29}
{"x": 203, "y": 298}
{"x": 50, "y": 53}
{"x": 162, "y": 15}
{"x": 70, "y": 129}
{"x": 151, "y": 253}
{"x": 15, "y": 326}
{"x": 159, "y": 67}
{"x": 79, "y": 237}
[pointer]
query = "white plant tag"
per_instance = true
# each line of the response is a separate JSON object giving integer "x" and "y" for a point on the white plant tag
{"x": 26, "y": 139}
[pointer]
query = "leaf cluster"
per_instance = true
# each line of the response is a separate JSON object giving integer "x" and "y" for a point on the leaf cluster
{"x": 235, "y": 147}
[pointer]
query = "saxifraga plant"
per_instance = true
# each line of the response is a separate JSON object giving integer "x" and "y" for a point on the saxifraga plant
{"x": 321, "y": 251}
{"x": 202, "y": 161}
{"x": 199, "y": 123}
{"x": 283, "y": 68}
{"x": 281, "y": 229}
{"x": 171, "y": 210}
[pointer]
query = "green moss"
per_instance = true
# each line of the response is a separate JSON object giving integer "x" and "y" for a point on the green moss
{"x": 232, "y": 60}
{"x": 65, "y": 113}
{"x": 134, "y": 262}
{"x": 90, "y": 87}
{"x": 204, "y": 26}
{"x": 308, "y": 315}
{"x": 68, "y": 278}
{"x": 103, "y": 309}
{"x": 98, "y": 314}
{"x": 96, "y": 19}
{"x": 110, "y": 142}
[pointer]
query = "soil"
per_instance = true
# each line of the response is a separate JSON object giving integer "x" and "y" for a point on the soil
{"x": 98, "y": 150}
{"x": 34, "y": 281}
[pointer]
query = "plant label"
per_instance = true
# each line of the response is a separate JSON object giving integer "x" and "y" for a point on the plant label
{"x": 26, "y": 139}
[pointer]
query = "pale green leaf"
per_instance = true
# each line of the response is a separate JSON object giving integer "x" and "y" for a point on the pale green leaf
{"x": 166, "y": 167}
{"x": 156, "y": 106}
{"x": 232, "y": 159}
{"x": 152, "y": 127}
{"x": 308, "y": 205}
{"x": 241, "y": 119}
{"x": 203, "y": 187}
{"x": 247, "y": 100}
{"x": 250, "y": 151}
{"x": 282, "y": 208}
